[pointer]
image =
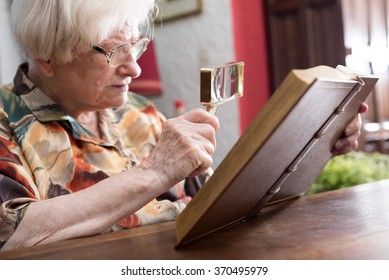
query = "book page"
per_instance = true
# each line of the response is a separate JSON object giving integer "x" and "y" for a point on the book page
{"x": 323, "y": 72}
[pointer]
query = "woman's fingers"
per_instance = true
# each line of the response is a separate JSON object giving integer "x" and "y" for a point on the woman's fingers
{"x": 185, "y": 146}
{"x": 349, "y": 141}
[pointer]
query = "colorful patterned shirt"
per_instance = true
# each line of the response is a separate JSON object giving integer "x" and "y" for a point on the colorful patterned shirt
{"x": 46, "y": 153}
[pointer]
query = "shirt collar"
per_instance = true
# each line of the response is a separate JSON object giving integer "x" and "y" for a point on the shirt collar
{"x": 41, "y": 105}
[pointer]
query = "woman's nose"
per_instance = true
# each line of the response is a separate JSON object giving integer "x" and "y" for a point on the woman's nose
{"x": 129, "y": 67}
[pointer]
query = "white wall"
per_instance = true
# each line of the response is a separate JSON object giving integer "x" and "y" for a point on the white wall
{"x": 184, "y": 46}
{"x": 9, "y": 53}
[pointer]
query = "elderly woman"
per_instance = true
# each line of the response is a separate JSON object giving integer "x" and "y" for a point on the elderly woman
{"x": 80, "y": 155}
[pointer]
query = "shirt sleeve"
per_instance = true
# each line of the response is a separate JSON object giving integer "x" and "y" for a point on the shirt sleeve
{"x": 12, "y": 209}
{"x": 14, "y": 199}
{"x": 17, "y": 189}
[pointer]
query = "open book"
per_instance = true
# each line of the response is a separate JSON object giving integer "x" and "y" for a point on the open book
{"x": 281, "y": 153}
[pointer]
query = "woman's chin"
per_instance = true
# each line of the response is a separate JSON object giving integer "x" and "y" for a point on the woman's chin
{"x": 118, "y": 99}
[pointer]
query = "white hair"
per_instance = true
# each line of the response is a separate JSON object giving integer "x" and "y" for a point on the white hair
{"x": 54, "y": 29}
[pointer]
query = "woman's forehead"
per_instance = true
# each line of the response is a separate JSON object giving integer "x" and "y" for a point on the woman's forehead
{"x": 119, "y": 37}
{"x": 127, "y": 33}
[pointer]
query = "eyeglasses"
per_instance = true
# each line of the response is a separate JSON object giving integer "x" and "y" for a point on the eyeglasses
{"x": 119, "y": 54}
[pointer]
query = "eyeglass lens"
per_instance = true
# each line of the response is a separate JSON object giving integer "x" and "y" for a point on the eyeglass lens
{"x": 121, "y": 53}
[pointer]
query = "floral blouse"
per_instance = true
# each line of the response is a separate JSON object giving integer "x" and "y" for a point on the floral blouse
{"x": 46, "y": 153}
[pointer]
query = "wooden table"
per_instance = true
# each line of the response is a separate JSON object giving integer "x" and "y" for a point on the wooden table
{"x": 349, "y": 223}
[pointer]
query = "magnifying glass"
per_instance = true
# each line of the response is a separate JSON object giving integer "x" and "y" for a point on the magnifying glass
{"x": 221, "y": 84}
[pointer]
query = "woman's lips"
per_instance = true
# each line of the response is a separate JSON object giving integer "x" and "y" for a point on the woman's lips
{"x": 120, "y": 87}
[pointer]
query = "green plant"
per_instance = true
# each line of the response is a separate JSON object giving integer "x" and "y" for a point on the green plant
{"x": 352, "y": 169}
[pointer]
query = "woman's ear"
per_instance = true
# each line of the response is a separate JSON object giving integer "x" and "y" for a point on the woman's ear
{"x": 45, "y": 67}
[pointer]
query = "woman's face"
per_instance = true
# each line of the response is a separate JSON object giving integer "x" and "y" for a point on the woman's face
{"x": 89, "y": 84}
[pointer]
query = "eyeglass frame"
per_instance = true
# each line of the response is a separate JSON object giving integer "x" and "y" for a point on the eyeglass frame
{"x": 108, "y": 54}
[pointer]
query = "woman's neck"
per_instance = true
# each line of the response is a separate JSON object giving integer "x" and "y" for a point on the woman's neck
{"x": 90, "y": 121}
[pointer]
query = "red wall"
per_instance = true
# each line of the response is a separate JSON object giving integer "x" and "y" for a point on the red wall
{"x": 250, "y": 47}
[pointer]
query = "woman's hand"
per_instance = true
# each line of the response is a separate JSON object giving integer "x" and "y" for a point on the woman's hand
{"x": 349, "y": 141}
{"x": 185, "y": 147}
